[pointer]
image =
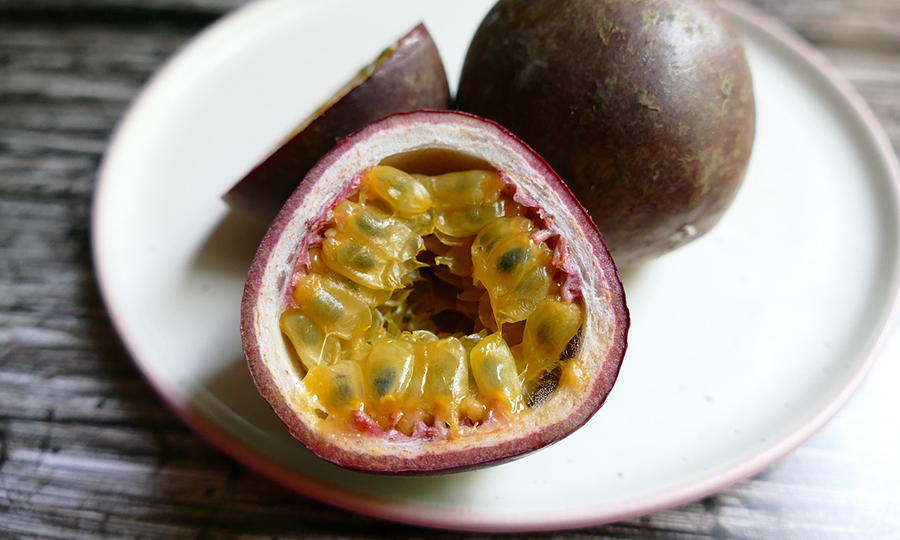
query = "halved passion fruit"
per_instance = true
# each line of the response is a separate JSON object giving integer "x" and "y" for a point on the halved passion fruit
{"x": 432, "y": 298}
{"x": 406, "y": 76}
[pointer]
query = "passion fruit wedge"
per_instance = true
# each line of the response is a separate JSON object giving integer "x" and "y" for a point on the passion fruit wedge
{"x": 432, "y": 298}
{"x": 406, "y": 76}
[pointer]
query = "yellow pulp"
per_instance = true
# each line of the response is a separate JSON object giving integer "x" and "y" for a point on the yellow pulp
{"x": 430, "y": 305}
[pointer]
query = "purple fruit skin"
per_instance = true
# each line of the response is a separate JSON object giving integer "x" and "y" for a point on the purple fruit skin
{"x": 412, "y": 78}
{"x": 644, "y": 107}
{"x": 457, "y": 460}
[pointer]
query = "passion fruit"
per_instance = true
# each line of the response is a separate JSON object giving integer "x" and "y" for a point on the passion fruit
{"x": 644, "y": 107}
{"x": 432, "y": 298}
{"x": 406, "y": 76}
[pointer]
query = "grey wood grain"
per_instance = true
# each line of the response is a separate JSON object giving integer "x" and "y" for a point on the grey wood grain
{"x": 88, "y": 450}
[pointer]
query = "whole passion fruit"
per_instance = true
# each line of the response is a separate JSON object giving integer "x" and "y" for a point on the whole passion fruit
{"x": 644, "y": 107}
{"x": 406, "y": 76}
{"x": 432, "y": 298}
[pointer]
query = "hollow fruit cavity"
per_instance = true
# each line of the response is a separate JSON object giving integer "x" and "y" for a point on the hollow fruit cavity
{"x": 432, "y": 306}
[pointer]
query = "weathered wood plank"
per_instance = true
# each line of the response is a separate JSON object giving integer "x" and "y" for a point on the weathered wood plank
{"x": 182, "y": 6}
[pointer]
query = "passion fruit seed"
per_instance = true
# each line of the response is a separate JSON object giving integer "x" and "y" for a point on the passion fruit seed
{"x": 430, "y": 305}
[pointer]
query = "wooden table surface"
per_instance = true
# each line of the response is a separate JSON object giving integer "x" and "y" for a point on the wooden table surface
{"x": 87, "y": 448}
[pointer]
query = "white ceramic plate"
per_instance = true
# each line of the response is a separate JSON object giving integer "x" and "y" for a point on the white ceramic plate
{"x": 743, "y": 343}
